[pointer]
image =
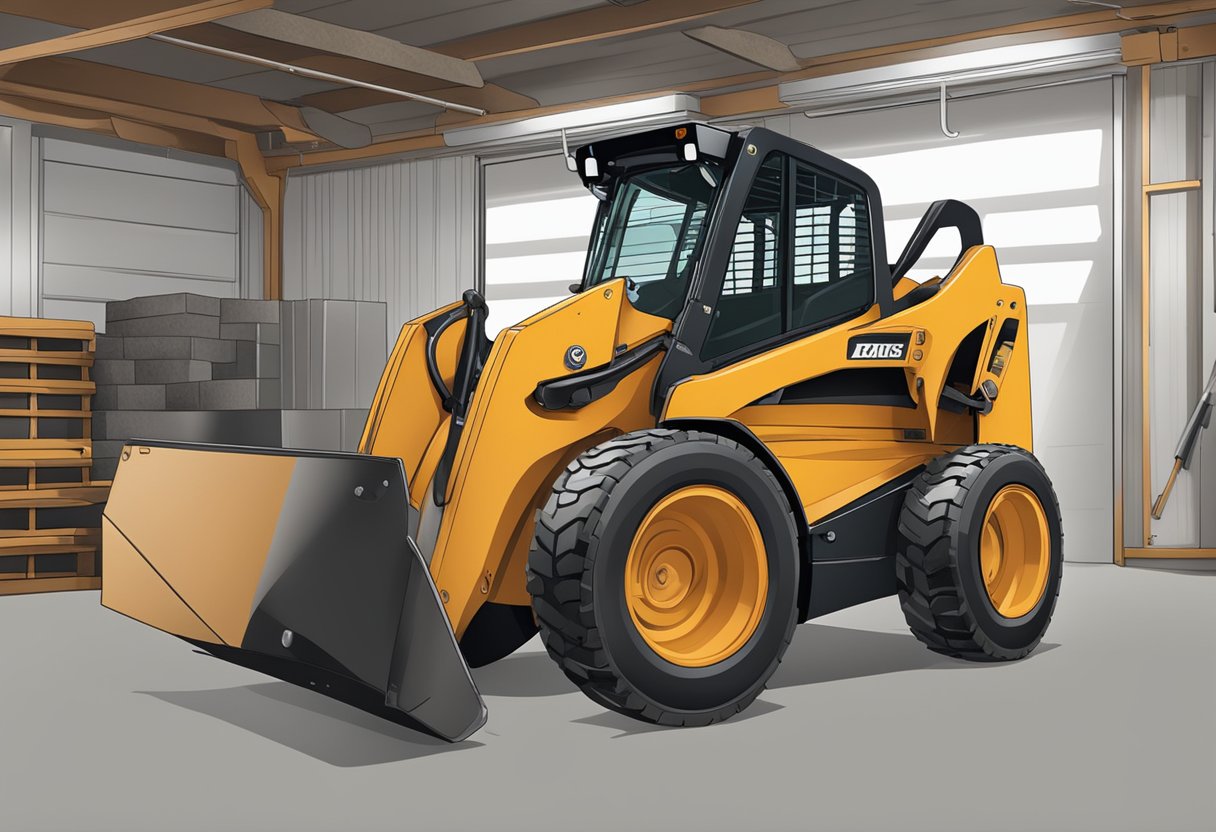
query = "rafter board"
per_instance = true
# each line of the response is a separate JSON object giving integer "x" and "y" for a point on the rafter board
{"x": 596, "y": 23}
{"x": 366, "y": 46}
{"x": 130, "y": 29}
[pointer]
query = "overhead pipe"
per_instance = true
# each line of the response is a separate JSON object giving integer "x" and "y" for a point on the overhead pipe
{"x": 317, "y": 74}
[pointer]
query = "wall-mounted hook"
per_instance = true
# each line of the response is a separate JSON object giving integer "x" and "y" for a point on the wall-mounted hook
{"x": 950, "y": 134}
{"x": 571, "y": 162}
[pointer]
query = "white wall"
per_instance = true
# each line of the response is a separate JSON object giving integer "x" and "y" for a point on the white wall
{"x": 403, "y": 233}
{"x": 1038, "y": 166}
{"x": 18, "y": 265}
{"x": 538, "y": 219}
{"x": 119, "y": 223}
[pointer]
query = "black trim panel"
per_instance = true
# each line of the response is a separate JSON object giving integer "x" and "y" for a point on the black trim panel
{"x": 580, "y": 389}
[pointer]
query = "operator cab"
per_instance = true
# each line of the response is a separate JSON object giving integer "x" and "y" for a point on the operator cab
{"x": 744, "y": 239}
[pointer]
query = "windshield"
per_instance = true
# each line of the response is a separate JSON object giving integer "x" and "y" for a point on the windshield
{"x": 649, "y": 233}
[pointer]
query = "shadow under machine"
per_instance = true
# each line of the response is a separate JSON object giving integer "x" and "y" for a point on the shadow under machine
{"x": 744, "y": 417}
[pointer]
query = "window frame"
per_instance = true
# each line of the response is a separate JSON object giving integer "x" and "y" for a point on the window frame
{"x": 747, "y": 149}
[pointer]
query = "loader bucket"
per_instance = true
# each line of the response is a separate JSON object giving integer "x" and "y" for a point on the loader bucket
{"x": 298, "y": 564}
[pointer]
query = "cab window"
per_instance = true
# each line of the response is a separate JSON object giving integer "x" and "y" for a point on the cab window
{"x": 832, "y": 266}
{"x": 749, "y": 309}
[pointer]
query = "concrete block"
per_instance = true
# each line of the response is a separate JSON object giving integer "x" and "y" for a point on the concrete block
{"x": 235, "y": 311}
{"x": 108, "y": 346}
{"x": 341, "y": 366}
{"x": 333, "y": 353}
{"x": 107, "y": 448}
{"x": 156, "y": 305}
{"x": 371, "y": 349}
{"x": 352, "y": 428}
{"x": 171, "y": 370}
{"x": 319, "y": 430}
{"x": 228, "y": 427}
{"x": 103, "y": 469}
{"x": 214, "y": 350}
{"x": 129, "y": 397}
{"x": 269, "y": 361}
{"x": 105, "y": 397}
{"x": 113, "y": 371}
{"x": 198, "y": 326}
{"x": 183, "y": 396}
{"x": 240, "y": 394}
{"x": 261, "y": 333}
{"x": 245, "y": 365}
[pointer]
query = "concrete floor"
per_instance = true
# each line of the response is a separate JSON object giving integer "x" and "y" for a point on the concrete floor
{"x": 1110, "y": 725}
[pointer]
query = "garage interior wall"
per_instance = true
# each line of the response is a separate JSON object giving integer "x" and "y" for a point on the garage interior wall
{"x": 404, "y": 233}
{"x": 1182, "y": 311}
{"x": 538, "y": 217}
{"x": 18, "y": 264}
{"x": 119, "y": 223}
{"x": 1039, "y": 167}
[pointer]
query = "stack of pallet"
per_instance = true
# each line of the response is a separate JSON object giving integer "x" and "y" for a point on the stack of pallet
{"x": 50, "y": 505}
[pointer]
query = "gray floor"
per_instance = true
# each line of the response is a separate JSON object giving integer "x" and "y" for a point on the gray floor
{"x": 1111, "y": 725}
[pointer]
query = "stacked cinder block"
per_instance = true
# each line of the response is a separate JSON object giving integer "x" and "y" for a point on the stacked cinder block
{"x": 50, "y": 499}
{"x": 192, "y": 368}
{"x": 333, "y": 354}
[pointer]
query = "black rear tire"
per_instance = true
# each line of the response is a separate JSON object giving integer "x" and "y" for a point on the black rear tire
{"x": 938, "y": 571}
{"x": 577, "y": 575}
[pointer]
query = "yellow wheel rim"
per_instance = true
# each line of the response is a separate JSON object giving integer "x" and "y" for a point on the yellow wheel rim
{"x": 1015, "y": 551}
{"x": 696, "y": 576}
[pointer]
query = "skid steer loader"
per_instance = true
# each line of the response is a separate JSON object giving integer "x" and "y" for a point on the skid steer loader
{"x": 744, "y": 417}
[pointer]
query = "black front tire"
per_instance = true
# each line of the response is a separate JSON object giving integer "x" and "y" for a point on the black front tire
{"x": 576, "y": 575}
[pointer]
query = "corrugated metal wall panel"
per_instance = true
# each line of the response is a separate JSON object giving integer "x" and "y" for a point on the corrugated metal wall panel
{"x": 18, "y": 227}
{"x": 404, "y": 233}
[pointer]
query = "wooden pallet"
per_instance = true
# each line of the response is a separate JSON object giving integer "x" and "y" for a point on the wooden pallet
{"x": 23, "y": 469}
{"x": 70, "y": 510}
{"x": 45, "y": 393}
{"x": 50, "y": 562}
{"x": 49, "y": 328}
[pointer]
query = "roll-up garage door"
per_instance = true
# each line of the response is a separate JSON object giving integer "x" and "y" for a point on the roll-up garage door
{"x": 1038, "y": 165}
{"x": 121, "y": 223}
{"x": 538, "y": 219}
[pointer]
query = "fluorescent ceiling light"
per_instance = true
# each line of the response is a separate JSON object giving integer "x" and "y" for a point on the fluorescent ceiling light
{"x": 629, "y": 114}
{"x": 1021, "y": 60}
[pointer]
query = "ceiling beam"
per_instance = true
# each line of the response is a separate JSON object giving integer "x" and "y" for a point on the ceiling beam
{"x": 353, "y": 43}
{"x": 491, "y": 98}
{"x": 596, "y": 23}
{"x": 111, "y": 83}
{"x": 131, "y": 29}
{"x": 740, "y": 43}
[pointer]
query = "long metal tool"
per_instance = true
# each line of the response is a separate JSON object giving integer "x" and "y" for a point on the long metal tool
{"x": 1201, "y": 417}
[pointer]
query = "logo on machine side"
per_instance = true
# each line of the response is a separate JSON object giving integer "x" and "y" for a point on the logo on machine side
{"x": 879, "y": 347}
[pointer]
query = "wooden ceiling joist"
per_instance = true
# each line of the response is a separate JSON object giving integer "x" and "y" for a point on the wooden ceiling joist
{"x": 491, "y": 97}
{"x": 596, "y": 23}
{"x": 131, "y": 29}
{"x": 111, "y": 83}
{"x": 365, "y": 46}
